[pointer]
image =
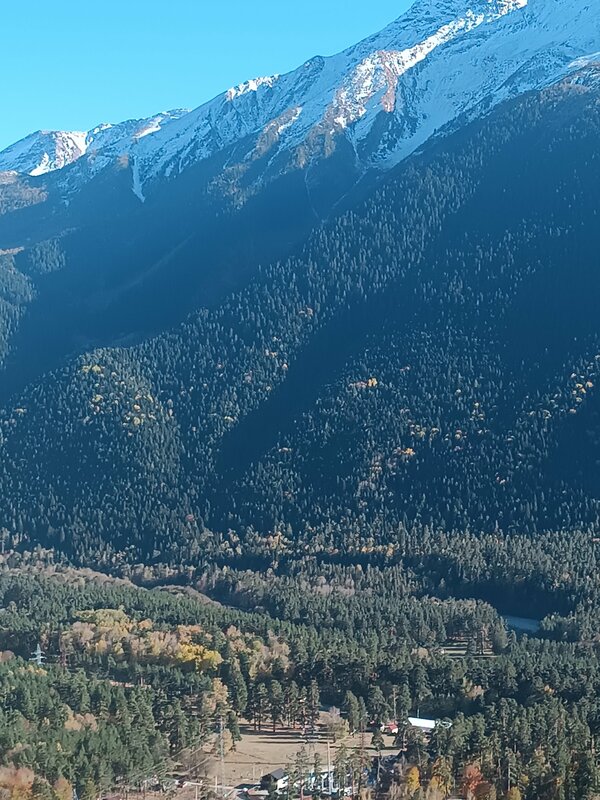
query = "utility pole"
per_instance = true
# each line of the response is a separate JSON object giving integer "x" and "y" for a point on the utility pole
{"x": 362, "y": 755}
{"x": 329, "y": 768}
{"x": 197, "y": 785}
{"x": 510, "y": 772}
{"x": 62, "y": 649}
{"x": 222, "y": 754}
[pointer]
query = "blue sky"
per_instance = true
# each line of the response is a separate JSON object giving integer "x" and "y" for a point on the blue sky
{"x": 72, "y": 65}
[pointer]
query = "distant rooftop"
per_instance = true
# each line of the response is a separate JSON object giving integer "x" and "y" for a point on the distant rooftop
{"x": 425, "y": 724}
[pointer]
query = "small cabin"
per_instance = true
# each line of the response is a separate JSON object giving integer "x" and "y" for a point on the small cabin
{"x": 277, "y": 779}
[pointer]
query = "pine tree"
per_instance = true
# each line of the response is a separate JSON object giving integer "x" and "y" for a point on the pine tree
{"x": 238, "y": 691}
{"x": 233, "y": 727}
{"x": 363, "y": 715}
{"x": 378, "y": 706}
{"x": 317, "y": 787}
{"x": 260, "y": 705}
{"x": 351, "y": 709}
{"x": 313, "y": 706}
{"x": 276, "y": 704}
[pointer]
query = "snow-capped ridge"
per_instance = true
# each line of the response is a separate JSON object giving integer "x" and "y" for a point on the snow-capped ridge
{"x": 380, "y": 71}
{"x": 251, "y": 86}
{"x": 47, "y": 151}
{"x": 585, "y": 61}
{"x": 441, "y": 62}
{"x": 43, "y": 151}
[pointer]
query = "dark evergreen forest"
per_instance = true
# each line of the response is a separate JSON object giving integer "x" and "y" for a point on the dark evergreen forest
{"x": 349, "y": 462}
{"x": 429, "y": 358}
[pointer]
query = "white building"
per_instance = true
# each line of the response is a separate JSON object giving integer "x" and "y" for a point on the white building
{"x": 422, "y": 724}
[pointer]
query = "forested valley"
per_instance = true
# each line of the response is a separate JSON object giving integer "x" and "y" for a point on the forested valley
{"x": 134, "y": 682}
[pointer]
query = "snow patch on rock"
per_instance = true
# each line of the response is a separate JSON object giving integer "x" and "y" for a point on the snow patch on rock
{"x": 251, "y": 86}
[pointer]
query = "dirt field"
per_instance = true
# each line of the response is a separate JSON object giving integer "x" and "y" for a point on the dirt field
{"x": 259, "y": 753}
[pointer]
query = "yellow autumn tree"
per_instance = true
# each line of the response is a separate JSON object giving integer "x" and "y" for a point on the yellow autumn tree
{"x": 204, "y": 660}
{"x": 218, "y": 697}
{"x": 441, "y": 776}
{"x": 413, "y": 780}
{"x": 63, "y": 789}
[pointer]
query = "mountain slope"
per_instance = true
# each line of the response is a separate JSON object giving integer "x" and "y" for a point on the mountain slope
{"x": 159, "y": 217}
{"x": 418, "y": 363}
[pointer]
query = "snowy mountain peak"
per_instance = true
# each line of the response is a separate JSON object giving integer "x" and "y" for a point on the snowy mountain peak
{"x": 379, "y": 72}
{"x": 43, "y": 151}
{"x": 440, "y": 63}
{"x": 251, "y": 86}
{"x": 47, "y": 151}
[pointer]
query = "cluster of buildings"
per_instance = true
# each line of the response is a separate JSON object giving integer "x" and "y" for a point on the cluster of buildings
{"x": 279, "y": 781}
{"x": 326, "y": 783}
